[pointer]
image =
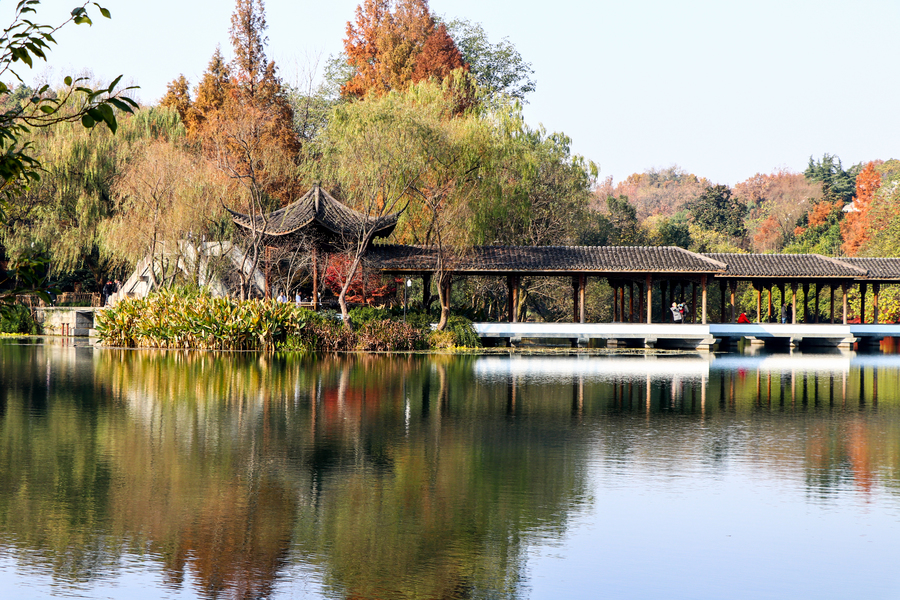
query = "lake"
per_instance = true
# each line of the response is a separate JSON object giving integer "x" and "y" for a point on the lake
{"x": 151, "y": 474}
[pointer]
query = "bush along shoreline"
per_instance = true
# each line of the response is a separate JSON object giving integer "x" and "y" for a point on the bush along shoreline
{"x": 188, "y": 319}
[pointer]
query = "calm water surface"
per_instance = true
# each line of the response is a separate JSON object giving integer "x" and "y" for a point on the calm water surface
{"x": 137, "y": 474}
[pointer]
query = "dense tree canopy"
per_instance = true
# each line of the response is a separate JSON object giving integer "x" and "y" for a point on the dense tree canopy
{"x": 394, "y": 43}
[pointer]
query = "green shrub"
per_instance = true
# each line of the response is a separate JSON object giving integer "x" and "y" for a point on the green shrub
{"x": 189, "y": 319}
{"x": 465, "y": 334}
{"x": 420, "y": 320}
{"x": 18, "y": 319}
{"x": 361, "y": 315}
{"x": 441, "y": 339}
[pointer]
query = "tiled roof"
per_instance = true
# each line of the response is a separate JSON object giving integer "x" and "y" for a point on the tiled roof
{"x": 549, "y": 259}
{"x": 320, "y": 207}
{"x": 786, "y": 265}
{"x": 878, "y": 268}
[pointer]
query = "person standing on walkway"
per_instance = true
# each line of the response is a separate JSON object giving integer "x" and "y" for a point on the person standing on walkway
{"x": 676, "y": 313}
{"x": 783, "y": 312}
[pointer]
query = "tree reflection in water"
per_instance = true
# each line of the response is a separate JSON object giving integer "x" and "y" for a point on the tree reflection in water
{"x": 388, "y": 476}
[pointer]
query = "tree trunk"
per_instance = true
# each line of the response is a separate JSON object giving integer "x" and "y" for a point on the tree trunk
{"x": 444, "y": 298}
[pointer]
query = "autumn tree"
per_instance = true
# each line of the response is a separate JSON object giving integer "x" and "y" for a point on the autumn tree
{"x": 165, "y": 199}
{"x": 394, "y": 43}
{"x": 855, "y": 228}
{"x": 775, "y": 203}
{"x": 369, "y": 152}
{"x": 655, "y": 191}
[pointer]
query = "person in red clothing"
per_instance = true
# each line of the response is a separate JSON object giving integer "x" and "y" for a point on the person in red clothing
{"x": 743, "y": 319}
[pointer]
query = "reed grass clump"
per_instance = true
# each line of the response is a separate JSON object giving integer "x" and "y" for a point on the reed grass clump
{"x": 194, "y": 319}
{"x": 182, "y": 318}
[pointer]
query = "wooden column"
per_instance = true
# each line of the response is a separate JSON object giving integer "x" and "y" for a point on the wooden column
{"x": 582, "y": 285}
{"x": 315, "y": 276}
{"x": 722, "y": 285}
{"x": 510, "y": 298}
{"x": 758, "y": 303}
{"x": 512, "y": 283}
{"x": 832, "y": 303}
{"x": 666, "y": 313}
{"x": 783, "y": 298}
{"x": 805, "y": 302}
{"x": 578, "y": 284}
{"x": 426, "y": 290}
{"x": 631, "y": 301}
{"x": 693, "y": 302}
{"x": 794, "y": 303}
{"x": 816, "y": 301}
{"x": 862, "y": 302}
{"x": 649, "y": 283}
{"x": 703, "y": 296}
{"x": 641, "y": 298}
{"x": 733, "y": 288}
{"x": 844, "y": 301}
{"x": 769, "y": 312}
{"x": 875, "y": 289}
{"x": 622, "y": 302}
{"x": 575, "y": 298}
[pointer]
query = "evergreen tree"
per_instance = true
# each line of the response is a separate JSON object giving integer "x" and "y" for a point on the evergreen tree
{"x": 719, "y": 211}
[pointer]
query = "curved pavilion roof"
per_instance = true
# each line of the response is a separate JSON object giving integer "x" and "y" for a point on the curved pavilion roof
{"x": 317, "y": 208}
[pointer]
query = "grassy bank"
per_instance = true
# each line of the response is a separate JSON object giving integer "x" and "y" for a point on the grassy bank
{"x": 191, "y": 319}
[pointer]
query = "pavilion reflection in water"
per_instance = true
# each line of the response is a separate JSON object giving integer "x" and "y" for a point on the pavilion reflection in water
{"x": 688, "y": 383}
{"x": 232, "y": 470}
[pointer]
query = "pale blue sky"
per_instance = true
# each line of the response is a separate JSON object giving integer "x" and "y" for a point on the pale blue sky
{"x": 724, "y": 89}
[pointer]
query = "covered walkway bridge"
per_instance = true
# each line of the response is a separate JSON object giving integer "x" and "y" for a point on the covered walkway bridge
{"x": 646, "y": 280}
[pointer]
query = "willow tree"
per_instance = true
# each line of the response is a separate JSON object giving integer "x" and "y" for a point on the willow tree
{"x": 166, "y": 200}
{"x": 22, "y": 42}
{"x": 370, "y": 152}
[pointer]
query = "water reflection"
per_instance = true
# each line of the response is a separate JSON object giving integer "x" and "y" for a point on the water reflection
{"x": 393, "y": 477}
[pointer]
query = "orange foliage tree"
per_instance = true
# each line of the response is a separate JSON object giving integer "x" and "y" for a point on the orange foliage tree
{"x": 776, "y": 202}
{"x": 394, "y": 43}
{"x": 365, "y": 287}
{"x": 855, "y": 228}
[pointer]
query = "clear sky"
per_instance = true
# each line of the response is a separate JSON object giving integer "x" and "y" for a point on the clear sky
{"x": 722, "y": 88}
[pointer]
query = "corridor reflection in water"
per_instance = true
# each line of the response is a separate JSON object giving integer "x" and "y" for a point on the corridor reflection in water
{"x": 126, "y": 474}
